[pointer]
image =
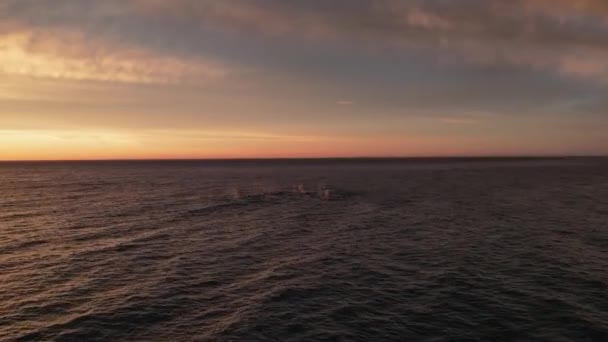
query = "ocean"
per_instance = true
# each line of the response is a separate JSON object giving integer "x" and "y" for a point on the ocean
{"x": 305, "y": 250}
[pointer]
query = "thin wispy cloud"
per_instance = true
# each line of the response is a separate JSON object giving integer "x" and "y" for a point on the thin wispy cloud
{"x": 345, "y": 102}
{"x": 69, "y": 55}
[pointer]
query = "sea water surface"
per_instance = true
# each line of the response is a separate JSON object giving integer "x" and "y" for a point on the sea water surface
{"x": 309, "y": 250}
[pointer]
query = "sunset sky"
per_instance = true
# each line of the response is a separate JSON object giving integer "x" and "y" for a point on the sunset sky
{"x": 118, "y": 79}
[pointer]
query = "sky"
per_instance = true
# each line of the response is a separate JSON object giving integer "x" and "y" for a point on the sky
{"x": 147, "y": 79}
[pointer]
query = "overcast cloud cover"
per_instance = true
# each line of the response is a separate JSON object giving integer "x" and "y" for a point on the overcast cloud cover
{"x": 427, "y": 76}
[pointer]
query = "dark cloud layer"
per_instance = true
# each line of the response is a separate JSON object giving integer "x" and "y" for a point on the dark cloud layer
{"x": 566, "y": 23}
{"x": 566, "y": 37}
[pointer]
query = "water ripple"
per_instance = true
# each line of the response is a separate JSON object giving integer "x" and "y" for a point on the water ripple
{"x": 385, "y": 252}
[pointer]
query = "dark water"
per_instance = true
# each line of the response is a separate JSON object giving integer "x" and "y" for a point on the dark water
{"x": 509, "y": 250}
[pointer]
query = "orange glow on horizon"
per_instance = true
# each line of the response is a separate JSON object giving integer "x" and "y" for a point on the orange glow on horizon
{"x": 99, "y": 145}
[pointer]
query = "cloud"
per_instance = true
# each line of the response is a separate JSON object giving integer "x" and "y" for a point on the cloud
{"x": 39, "y": 55}
{"x": 540, "y": 34}
{"x": 56, "y": 42}
{"x": 344, "y": 102}
{"x": 533, "y": 21}
{"x": 459, "y": 121}
{"x": 413, "y": 66}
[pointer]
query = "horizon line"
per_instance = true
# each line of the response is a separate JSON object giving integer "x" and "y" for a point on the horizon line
{"x": 307, "y": 158}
